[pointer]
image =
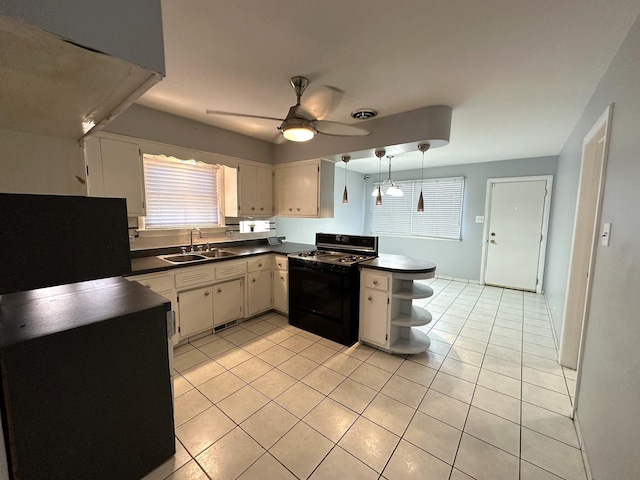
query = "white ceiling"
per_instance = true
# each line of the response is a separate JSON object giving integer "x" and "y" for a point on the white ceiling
{"x": 517, "y": 73}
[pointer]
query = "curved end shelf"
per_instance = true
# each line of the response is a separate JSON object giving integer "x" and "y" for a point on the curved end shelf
{"x": 417, "y": 342}
{"x": 416, "y": 291}
{"x": 418, "y": 317}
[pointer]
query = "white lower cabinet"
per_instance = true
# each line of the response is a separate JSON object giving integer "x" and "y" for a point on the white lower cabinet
{"x": 280, "y": 284}
{"x": 259, "y": 285}
{"x": 387, "y": 315}
{"x": 227, "y": 302}
{"x": 196, "y": 310}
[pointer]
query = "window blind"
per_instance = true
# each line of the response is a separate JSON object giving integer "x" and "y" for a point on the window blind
{"x": 181, "y": 193}
{"x": 442, "y": 216}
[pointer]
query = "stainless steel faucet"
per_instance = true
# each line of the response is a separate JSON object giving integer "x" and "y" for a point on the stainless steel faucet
{"x": 191, "y": 236}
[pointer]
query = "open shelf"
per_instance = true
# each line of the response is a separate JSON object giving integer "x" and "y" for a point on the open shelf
{"x": 417, "y": 342}
{"x": 416, "y": 318}
{"x": 411, "y": 291}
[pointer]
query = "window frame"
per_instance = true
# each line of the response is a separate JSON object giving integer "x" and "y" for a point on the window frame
{"x": 192, "y": 179}
{"x": 402, "y": 211}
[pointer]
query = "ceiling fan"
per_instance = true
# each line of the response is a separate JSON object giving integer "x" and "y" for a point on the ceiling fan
{"x": 299, "y": 125}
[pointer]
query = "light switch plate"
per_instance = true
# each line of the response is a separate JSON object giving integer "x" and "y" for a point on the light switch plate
{"x": 606, "y": 234}
{"x": 479, "y": 218}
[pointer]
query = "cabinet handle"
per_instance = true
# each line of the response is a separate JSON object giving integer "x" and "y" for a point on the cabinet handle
{"x": 291, "y": 209}
{"x": 253, "y": 208}
{"x": 375, "y": 282}
{"x": 206, "y": 294}
{"x": 148, "y": 286}
{"x": 253, "y": 281}
{"x": 282, "y": 278}
{"x": 280, "y": 265}
{"x": 261, "y": 208}
{"x": 259, "y": 265}
{"x": 219, "y": 290}
{"x": 297, "y": 209}
{"x": 369, "y": 298}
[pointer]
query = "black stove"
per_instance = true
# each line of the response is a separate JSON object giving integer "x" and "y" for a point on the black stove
{"x": 324, "y": 285}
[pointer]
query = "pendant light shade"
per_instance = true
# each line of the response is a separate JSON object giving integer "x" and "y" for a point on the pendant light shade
{"x": 345, "y": 194}
{"x": 378, "y": 191}
{"x": 423, "y": 147}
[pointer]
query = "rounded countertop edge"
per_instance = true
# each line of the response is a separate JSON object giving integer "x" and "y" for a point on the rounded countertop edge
{"x": 399, "y": 264}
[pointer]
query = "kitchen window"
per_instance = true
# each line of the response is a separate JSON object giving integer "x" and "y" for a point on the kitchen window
{"x": 442, "y": 216}
{"x": 181, "y": 193}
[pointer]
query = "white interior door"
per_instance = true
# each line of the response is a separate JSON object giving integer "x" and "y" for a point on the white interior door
{"x": 515, "y": 227}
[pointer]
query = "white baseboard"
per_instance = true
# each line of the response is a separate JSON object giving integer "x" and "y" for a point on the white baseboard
{"x": 582, "y": 447}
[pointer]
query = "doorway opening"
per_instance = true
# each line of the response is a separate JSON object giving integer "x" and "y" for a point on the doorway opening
{"x": 585, "y": 236}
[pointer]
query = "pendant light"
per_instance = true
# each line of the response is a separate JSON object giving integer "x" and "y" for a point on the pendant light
{"x": 393, "y": 190}
{"x": 378, "y": 192}
{"x": 423, "y": 147}
{"x": 345, "y": 194}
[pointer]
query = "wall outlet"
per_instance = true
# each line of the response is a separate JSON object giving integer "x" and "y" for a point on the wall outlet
{"x": 479, "y": 218}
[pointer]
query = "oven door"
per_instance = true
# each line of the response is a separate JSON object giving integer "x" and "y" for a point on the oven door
{"x": 323, "y": 299}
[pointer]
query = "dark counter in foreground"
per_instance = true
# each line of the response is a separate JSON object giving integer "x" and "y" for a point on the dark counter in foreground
{"x": 86, "y": 387}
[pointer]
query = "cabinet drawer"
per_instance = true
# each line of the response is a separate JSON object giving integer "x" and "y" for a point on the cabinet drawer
{"x": 374, "y": 280}
{"x": 157, "y": 283}
{"x": 194, "y": 276}
{"x": 230, "y": 269}
{"x": 280, "y": 262}
{"x": 259, "y": 263}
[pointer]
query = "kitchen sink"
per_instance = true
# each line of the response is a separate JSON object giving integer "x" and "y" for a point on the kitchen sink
{"x": 218, "y": 254}
{"x": 180, "y": 258}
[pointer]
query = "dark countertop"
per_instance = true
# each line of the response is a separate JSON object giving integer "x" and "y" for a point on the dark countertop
{"x": 46, "y": 311}
{"x": 399, "y": 264}
{"x": 152, "y": 264}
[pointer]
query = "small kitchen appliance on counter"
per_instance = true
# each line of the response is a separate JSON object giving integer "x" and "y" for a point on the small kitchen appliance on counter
{"x": 324, "y": 285}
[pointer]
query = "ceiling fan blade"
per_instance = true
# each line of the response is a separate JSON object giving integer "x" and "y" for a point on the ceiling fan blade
{"x": 340, "y": 129}
{"x": 322, "y": 102}
{"x": 218, "y": 112}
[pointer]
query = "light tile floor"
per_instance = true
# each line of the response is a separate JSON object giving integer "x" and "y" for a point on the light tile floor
{"x": 265, "y": 400}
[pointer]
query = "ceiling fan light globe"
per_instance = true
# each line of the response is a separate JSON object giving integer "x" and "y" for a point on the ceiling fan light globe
{"x": 299, "y": 134}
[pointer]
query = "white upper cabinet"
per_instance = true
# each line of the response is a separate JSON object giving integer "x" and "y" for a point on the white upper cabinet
{"x": 305, "y": 189}
{"x": 255, "y": 184}
{"x": 115, "y": 170}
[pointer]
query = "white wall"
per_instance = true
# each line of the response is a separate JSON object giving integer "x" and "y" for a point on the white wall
{"x": 40, "y": 164}
{"x": 608, "y": 406}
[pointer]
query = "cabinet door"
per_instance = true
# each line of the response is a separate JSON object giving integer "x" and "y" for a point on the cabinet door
{"x": 258, "y": 292}
{"x": 264, "y": 191}
{"x": 122, "y": 174}
{"x": 285, "y": 191}
{"x": 374, "y": 313}
{"x": 247, "y": 184}
{"x": 280, "y": 293}
{"x": 227, "y": 302}
{"x": 306, "y": 190}
{"x": 196, "y": 311}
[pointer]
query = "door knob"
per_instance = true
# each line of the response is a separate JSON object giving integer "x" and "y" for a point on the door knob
{"x": 369, "y": 298}
{"x": 206, "y": 294}
{"x": 219, "y": 290}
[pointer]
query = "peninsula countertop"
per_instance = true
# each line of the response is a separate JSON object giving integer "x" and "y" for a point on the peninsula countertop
{"x": 399, "y": 264}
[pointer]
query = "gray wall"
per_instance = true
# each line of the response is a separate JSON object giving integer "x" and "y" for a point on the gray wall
{"x": 142, "y": 122}
{"x": 459, "y": 259}
{"x": 348, "y": 217}
{"x": 609, "y": 384}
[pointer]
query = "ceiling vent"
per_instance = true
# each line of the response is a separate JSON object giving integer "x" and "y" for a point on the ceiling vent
{"x": 364, "y": 113}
